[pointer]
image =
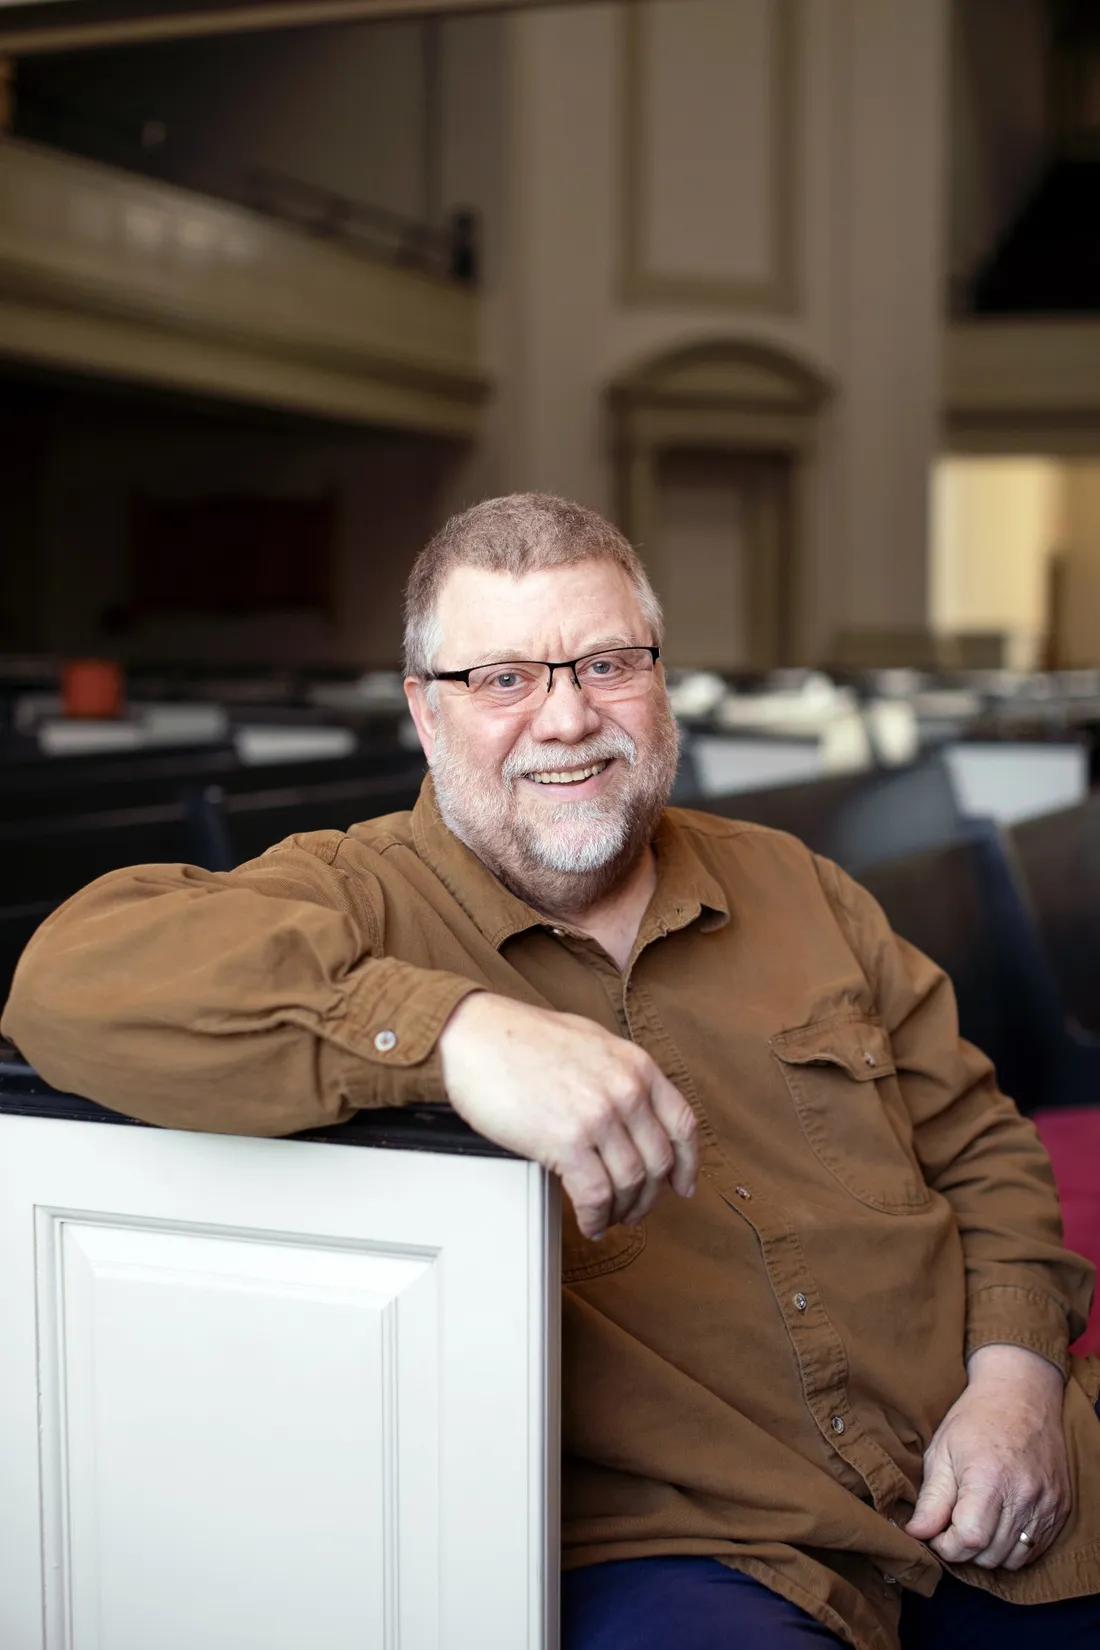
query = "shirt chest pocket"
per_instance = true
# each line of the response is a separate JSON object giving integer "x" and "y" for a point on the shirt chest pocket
{"x": 844, "y": 1084}
{"x": 582, "y": 1259}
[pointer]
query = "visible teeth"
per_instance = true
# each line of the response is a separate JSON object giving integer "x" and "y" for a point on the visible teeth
{"x": 566, "y": 776}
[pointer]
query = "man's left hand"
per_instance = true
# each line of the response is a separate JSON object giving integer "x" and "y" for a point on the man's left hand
{"x": 996, "y": 1466}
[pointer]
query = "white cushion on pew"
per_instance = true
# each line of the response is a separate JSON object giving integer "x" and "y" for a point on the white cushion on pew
{"x": 728, "y": 765}
{"x": 258, "y": 743}
{"x": 1010, "y": 782}
{"x": 76, "y": 737}
{"x": 181, "y": 724}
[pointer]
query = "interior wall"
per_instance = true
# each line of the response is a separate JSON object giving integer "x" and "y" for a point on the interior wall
{"x": 862, "y": 115}
{"x": 798, "y": 204}
{"x": 408, "y": 115}
{"x": 1000, "y": 123}
{"x": 996, "y": 524}
{"x": 103, "y": 453}
{"x": 1079, "y": 639}
{"x": 473, "y": 125}
{"x": 343, "y": 108}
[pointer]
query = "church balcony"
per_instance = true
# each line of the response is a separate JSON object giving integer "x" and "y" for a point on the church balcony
{"x": 108, "y": 274}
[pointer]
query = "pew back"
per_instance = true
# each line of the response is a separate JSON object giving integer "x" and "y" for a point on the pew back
{"x": 962, "y": 904}
{"x": 856, "y": 819}
{"x": 1060, "y": 857}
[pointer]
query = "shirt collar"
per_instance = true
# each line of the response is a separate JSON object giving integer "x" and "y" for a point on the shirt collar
{"x": 685, "y": 890}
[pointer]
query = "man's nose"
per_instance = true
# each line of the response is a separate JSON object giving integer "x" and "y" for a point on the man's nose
{"x": 565, "y": 713}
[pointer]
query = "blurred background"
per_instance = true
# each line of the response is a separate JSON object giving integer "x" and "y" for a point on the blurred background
{"x": 804, "y": 293}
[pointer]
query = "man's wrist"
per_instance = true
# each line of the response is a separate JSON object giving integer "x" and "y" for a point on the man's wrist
{"x": 1003, "y": 1360}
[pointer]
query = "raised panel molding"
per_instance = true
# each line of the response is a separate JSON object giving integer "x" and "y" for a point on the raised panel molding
{"x": 776, "y": 288}
{"x": 298, "y": 1369}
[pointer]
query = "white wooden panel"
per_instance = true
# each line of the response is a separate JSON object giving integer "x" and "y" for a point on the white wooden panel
{"x": 706, "y": 70}
{"x": 167, "y": 1354}
{"x": 273, "y": 1394}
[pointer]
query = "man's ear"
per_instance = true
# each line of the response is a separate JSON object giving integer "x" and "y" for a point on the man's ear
{"x": 423, "y": 713}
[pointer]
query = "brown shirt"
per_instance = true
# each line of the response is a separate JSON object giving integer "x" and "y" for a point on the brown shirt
{"x": 753, "y": 1373}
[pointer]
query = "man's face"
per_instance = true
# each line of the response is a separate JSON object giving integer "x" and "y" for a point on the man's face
{"x": 561, "y": 796}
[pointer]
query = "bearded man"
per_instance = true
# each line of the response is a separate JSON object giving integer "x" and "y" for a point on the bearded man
{"x": 817, "y": 1307}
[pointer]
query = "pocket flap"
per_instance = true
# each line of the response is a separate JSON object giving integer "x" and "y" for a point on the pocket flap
{"x": 859, "y": 1045}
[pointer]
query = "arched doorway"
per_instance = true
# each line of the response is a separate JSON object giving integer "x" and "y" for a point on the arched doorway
{"x": 712, "y": 443}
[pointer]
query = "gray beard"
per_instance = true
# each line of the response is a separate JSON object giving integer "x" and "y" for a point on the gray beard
{"x": 561, "y": 875}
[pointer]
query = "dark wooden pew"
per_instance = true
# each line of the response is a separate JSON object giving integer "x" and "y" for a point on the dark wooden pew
{"x": 1060, "y": 858}
{"x": 45, "y": 860}
{"x": 140, "y": 779}
{"x": 856, "y": 819}
{"x": 963, "y": 904}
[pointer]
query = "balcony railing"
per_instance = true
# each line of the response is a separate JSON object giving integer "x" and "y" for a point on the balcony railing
{"x": 107, "y": 272}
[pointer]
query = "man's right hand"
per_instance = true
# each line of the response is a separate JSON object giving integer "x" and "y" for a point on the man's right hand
{"x": 559, "y": 1089}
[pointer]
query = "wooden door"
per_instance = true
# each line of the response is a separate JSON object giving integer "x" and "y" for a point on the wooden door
{"x": 721, "y": 562}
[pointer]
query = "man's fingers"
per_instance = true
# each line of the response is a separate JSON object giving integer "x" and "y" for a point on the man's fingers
{"x": 588, "y": 1187}
{"x": 563, "y": 1091}
{"x": 974, "y": 1523}
{"x": 1005, "y": 1546}
{"x": 1041, "y": 1524}
{"x": 678, "y": 1122}
{"x": 638, "y": 1149}
{"x": 629, "y": 1170}
{"x": 936, "y": 1502}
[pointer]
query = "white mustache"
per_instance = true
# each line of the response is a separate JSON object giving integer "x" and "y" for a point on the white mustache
{"x": 549, "y": 757}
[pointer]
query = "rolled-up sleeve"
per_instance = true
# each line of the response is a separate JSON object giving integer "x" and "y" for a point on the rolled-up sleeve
{"x": 255, "y": 1001}
{"x": 1024, "y": 1287}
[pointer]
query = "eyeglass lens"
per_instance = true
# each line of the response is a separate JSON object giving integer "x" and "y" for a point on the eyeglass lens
{"x": 618, "y": 673}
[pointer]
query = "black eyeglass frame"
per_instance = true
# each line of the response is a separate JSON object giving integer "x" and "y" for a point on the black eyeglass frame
{"x": 550, "y": 666}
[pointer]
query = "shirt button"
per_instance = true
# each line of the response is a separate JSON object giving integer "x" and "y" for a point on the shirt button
{"x": 800, "y": 1301}
{"x": 837, "y": 1424}
{"x": 385, "y": 1040}
{"x": 891, "y": 1581}
{"x": 557, "y": 932}
{"x": 868, "y": 1059}
{"x": 742, "y": 1191}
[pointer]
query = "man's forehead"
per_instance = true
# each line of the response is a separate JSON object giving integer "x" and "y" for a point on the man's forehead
{"x": 484, "y": 614}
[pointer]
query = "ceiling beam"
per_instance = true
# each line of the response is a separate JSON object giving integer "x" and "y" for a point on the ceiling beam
{"x": 28, "y": 31}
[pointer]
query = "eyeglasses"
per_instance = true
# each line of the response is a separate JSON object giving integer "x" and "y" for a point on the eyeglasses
{"x": 615, "y": 673}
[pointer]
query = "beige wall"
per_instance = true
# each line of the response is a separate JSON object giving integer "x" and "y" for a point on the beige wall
{"x": 996, "y": 524}
{"x": 1080, "y": 631}
{"x": 864, "y": 116}
{"x": 801, "y": 211}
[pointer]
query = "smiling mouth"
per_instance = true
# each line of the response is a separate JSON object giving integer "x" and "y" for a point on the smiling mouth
{"x": 567, "y": 776}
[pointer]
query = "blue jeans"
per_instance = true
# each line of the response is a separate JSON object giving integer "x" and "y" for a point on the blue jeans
{"x": 697, "y": 1604}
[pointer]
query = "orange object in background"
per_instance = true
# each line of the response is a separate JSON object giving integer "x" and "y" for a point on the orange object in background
{"x": 92, "y": 687}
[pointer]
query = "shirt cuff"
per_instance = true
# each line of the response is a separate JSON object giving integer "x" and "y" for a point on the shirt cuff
{"x": 393, "y": 1033}
{"x": 1009, "y": 1314}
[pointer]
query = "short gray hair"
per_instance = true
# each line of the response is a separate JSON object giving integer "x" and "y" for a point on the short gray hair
{"x": 518, "y": 534}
